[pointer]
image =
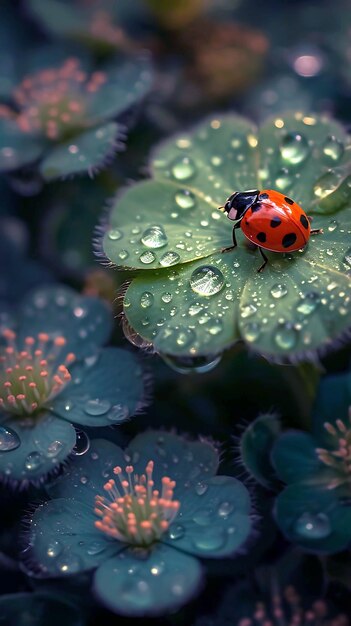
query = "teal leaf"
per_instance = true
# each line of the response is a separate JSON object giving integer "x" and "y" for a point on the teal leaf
{"x": 333, "y": 399}
{"x": 108, "y": 390}
{"x": 86, "y": 475}
{"x": 188, "y": 463}
{"x": 316, "y": 519}
{"x": 256, "y": 445}
{"x": 86, "y": 152}
{"x": 156, "y": 583}
{"x": 38, "y": 609}
{"x": 213, "y": 519}
{"x": 126, "y": 84}
{"x": 17, "y": 148}
{"x": 294, "y": 457}
{"x": 45, "y": 442}
{"x": 84, "y": 321}
{"x": 170, "y": 227}
{"x": 64, "y": 540}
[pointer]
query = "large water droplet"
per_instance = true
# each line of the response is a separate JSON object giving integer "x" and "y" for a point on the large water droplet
{"x": 207, "y": 280}
{"x": 176, "y": 531}
{"x": 309, "y": 303}
{"x": 96, "y": 407}
{"x": 82, "y": 443}
{"x": 54, "y": 448}
{"x": 279, "y": 291}
{"x": 33, "y": 461}
{"x": 285, "y": 336}
{"x": 185, "y": 199}
{"x": 96, "y": 547}
{"x": 326, "y": 184}
{"x": 166, "y": 297}
{"x": 294, "y": 148}
{"x": 207, "y": 542}
{"x": 115, "y": 234}
{"x": 9, "y": 440}
{"x": 154, "y": 237}
{"x": 251, "y": 331}
{"x": 312, "y": 526}
{"x": 201, "y": 488}
{"x": 118, "y": 413}
{"x": 333, "y": 149}
{"x": 146, "y": 299}
{"x": 169, "y": 258}
{"x": 183, "y": 168}
{"x": 225, "y": 508}
{"x": 147, "y": 257}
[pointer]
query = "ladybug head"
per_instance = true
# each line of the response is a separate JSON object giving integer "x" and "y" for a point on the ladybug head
{"x": 239, "y": 202}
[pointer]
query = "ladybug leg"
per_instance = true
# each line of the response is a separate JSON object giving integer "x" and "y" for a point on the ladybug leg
{"x": 317, "y": 231}
{"x": 265, "y": 261}
{"x": 237, "y": 225}
{"x": 310, "y": 218}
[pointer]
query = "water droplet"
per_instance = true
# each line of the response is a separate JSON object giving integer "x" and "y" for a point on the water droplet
{"x": 251, "y": 331}
{"x": 96, "y": 407}
{"x": 54, "y": 448}
{"x": 188, "y": 365}
{"x": 333, "y": 149}
{"x": 279, "y": 290}
{"x": 82, "y": 443}
{"x": 294, "y": 148}
{"x": 247, "y": 310}
{"x": 183, "y": 168}
{"x": 154, "y": 237}
{"x": 169, "y": 258}
{"x": 33, "y": 461}
{"x": 285, "y": 336}
{"x": 54, "y": 549}
{"x": 9, "y": 440}
{"x": 215, "y": 326}
{"x": 203, "y": 517}
{"x": 69, "y": 564}
{"x": 146, "y": 299}
{"x": 96, "y": 547}
{"x": 225, "y": 508}
{"x": 147, "y": 257}
{"x": 115, "y": 234}
{"x": 166, "y": 297}
{"x": 201, "y": 488}
{"x": 332, "y": 226}
{"x": 347, "y": 257}
{"x": 118, "y": 413}
{"x": 68, "y": 406}
{"x": 123, "y": 255}
{"x": 185, "y": 199}
{"x": 326, "y": 184}
{"x": 312, "y": 526}
{"x": 176, "y": 531}
{"x": 84, "y": 480}
{"x": 207, "y": 280}
{"x": 207, "y": 542}
{"x": 283, "y": 180}
{"x": 309, "y": 303}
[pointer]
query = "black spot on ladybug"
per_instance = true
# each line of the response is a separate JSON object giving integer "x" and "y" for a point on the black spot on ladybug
{"x": 263, "y": 196}
{"x": 261, "y": 237}
{"x": 288, "y": 200}
{"x": 276, "y": 221}
{"x": 288, "y": 240}
{"x": 304, "y": 221}
{"x": 256, "y": 207}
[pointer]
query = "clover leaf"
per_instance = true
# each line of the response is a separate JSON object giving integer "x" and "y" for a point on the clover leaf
{"x": 189, "y": 299}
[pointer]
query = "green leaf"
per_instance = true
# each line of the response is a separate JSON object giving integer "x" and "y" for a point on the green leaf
{"x": 170, "y": 227}
{"x": 17, "y": 148}
{"x": 256, "y": 446}
{"x": 84, "y": 153}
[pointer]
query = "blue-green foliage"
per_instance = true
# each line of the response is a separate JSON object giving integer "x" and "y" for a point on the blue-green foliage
{"x": 38, "y": 609}
{"x": 106, "y": 385}
{"x": 213, "y": 521}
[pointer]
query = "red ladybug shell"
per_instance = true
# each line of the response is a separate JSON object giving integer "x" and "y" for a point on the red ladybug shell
{"x": 275, "y": 222}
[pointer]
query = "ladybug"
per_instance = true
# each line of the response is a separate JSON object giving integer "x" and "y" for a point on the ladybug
{"x": 270, "y": 220}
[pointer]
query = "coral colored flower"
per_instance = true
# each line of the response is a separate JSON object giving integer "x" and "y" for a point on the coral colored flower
{"x": 53, "y": 372}
{"x": 62, "y": 115}
{"x": 140, "y": 517}
{"x": 314, "y": 509}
